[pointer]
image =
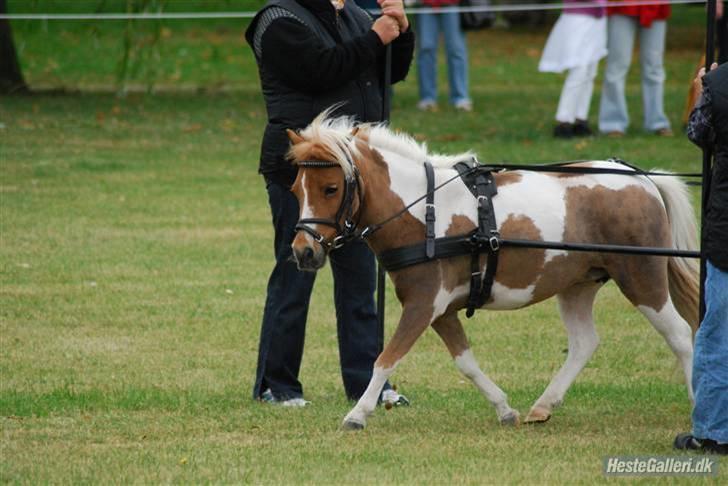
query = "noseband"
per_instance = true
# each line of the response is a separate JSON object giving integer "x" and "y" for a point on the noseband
{"x": 346, "y": 210}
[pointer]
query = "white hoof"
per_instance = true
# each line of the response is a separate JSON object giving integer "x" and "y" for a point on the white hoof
{"x": 351, "y": 424}
{"x": 512, "y": 418}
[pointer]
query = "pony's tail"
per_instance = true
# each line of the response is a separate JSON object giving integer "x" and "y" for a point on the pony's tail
{"x": 683, "y": 273}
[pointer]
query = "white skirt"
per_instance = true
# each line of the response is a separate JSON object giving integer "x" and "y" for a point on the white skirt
{"x": 576, "y": 40}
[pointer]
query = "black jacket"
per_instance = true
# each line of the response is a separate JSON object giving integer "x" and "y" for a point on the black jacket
{"x": 309, "y": 57}
{"x": 716, "y": 216}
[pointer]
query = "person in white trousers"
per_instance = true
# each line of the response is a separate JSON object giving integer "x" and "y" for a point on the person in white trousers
{"x": 576, "y": 44}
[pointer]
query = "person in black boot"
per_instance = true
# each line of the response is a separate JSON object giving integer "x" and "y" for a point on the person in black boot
{"x": 313, "y": 54}
{"x": 708, "y": 128}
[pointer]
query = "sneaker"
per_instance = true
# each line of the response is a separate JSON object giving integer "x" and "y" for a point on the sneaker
{"x": 581, "y": 129}
{"x": 268, "y": 397}
{"x": 688, "y": 442}
{"x": 564, "y": 130}
{"x": 465, "y": 105}
{"x": 427, "y": 105}
{"x": 664, "y": 132}
{"x": 390, "y": 398}
{"x": 614, "y": 134}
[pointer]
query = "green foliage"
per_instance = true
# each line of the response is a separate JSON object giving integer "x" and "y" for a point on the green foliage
{"x": 135, "y": 246}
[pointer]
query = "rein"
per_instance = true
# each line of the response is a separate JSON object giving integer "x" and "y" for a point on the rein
{"x": 560, "y": 167}
{"x": 350, "y": 232}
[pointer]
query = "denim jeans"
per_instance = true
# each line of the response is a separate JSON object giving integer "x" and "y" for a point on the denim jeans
{"x": 621, "y": 31}
{"x": 429, "y": 27}
{"x": 710, "y": 361}
{"x": 286, "y": 307}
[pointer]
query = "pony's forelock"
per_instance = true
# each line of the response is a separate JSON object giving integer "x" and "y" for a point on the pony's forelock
{"x": 334, "y": 135}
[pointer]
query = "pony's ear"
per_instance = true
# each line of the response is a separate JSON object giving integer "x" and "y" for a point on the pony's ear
{"x": 294, "y": 137}
{"x": 354, "y": 131}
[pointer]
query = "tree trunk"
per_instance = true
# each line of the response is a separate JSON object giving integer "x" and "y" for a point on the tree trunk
{"x": 11, "y": 77}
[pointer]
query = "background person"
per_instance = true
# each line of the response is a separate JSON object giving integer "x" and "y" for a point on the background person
{"x": 312, "y": 54}
{"x": 576, "y": 44}
{"x": 624, "y": 23}
{"x": 708, "y": 128}
{"x": 429, "y": 27}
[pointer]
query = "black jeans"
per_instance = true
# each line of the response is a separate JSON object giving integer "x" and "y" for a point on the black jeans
{"x": 286, "y": 307}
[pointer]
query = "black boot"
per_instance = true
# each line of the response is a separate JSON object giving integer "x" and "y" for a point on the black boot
{"x": 581, "y": 129}
{"x": 564, "y": 130}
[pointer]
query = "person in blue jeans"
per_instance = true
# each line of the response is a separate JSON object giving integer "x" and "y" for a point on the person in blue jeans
{"x": 623, "y": 25}
{"x": 708, "y": 128}
{"x": 429, "y": 26}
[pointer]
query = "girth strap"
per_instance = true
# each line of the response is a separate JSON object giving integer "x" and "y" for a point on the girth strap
{"x": 484, "y": 239}
{"x": 430, "y": 211}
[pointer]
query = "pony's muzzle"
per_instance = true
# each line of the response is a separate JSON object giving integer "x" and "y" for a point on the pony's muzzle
{"x": 309, "y": 256}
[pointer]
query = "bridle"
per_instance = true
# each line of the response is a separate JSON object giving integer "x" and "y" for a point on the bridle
{"x": 346, "y": 232}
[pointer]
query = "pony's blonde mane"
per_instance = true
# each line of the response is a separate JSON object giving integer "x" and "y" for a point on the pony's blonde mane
{"x": 335, "y": 136}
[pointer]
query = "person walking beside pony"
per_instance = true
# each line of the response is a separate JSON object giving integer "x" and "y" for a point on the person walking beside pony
{"x": 312, "y": 54}
{"x": 576, "y": 44}
{"x": 708, "y": 128}
{"x": 624, "y": 23}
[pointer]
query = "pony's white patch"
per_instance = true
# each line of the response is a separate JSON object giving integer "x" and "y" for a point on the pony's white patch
{"x": 467, "y": 364}
{"x": 444, "y": 298}
{"x": 306, "y": 211}
{"x": 508, "y": 298}
{"x": 676, "y": 331}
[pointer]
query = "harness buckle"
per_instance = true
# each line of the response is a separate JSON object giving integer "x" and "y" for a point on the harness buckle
{"x": 338, "y": 242}
{"x": 494, "y": 242}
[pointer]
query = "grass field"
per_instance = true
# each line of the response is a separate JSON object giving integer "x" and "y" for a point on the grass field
{"x": 135, "y": 246}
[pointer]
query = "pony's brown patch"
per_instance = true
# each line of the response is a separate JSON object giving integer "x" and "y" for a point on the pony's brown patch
{"x": 597, "y": 215}
{"x": 520, "y": 267}
{"x": 505, "y": 178}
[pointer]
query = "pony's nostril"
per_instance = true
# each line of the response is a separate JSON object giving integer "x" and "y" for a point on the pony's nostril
{"x": 307, "y": 254}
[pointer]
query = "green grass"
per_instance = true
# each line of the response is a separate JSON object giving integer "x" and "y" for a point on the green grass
{"x": 135, "y": 246}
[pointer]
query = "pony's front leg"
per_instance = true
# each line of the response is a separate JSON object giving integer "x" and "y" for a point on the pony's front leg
{"x": 411, "y": 325}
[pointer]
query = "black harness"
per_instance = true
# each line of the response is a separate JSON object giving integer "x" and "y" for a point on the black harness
{"x": 484, "y": 239}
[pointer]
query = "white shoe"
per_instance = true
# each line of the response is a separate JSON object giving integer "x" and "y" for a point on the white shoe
{"x": 465, "y": 105}
{"x": 268, "y": 397}
{"x": 427, "y": 105}
{"x": 295, "y": 402}
{"x": 392, "y": 398}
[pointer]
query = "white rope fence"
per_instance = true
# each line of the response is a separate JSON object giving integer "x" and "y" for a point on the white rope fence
{"x": 159, "y": 15}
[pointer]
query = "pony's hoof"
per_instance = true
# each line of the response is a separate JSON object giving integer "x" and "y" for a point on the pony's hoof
{"x": 537, "y": 415}
{"x": 350, "y": 424}
{"x": 512, "y": 418}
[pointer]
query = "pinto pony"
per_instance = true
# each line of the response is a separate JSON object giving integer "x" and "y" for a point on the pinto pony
{"x": 359, "y": 176}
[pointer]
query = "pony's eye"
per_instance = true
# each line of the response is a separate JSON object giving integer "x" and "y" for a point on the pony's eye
{"x": 330, "y": 190}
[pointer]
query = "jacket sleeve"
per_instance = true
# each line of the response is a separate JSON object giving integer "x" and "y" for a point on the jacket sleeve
{"x": 299, "y": 58}
{"x": 403, "y": 49}
{"x": 700, "y": 125}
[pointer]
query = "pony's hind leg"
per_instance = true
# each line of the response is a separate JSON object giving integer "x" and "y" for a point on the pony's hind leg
{"x": 414, "y": 320}
{"x": 676, "y": 331}
{"x": 575, "y": 306}
{"x": 450, "y": 329}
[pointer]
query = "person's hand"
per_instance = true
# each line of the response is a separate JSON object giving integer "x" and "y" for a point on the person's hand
{"x": 698, "y": 81}
{"x": 395, "y": 9}
{"x": 387, "y": 28}
{"x": 719, "y": 9}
